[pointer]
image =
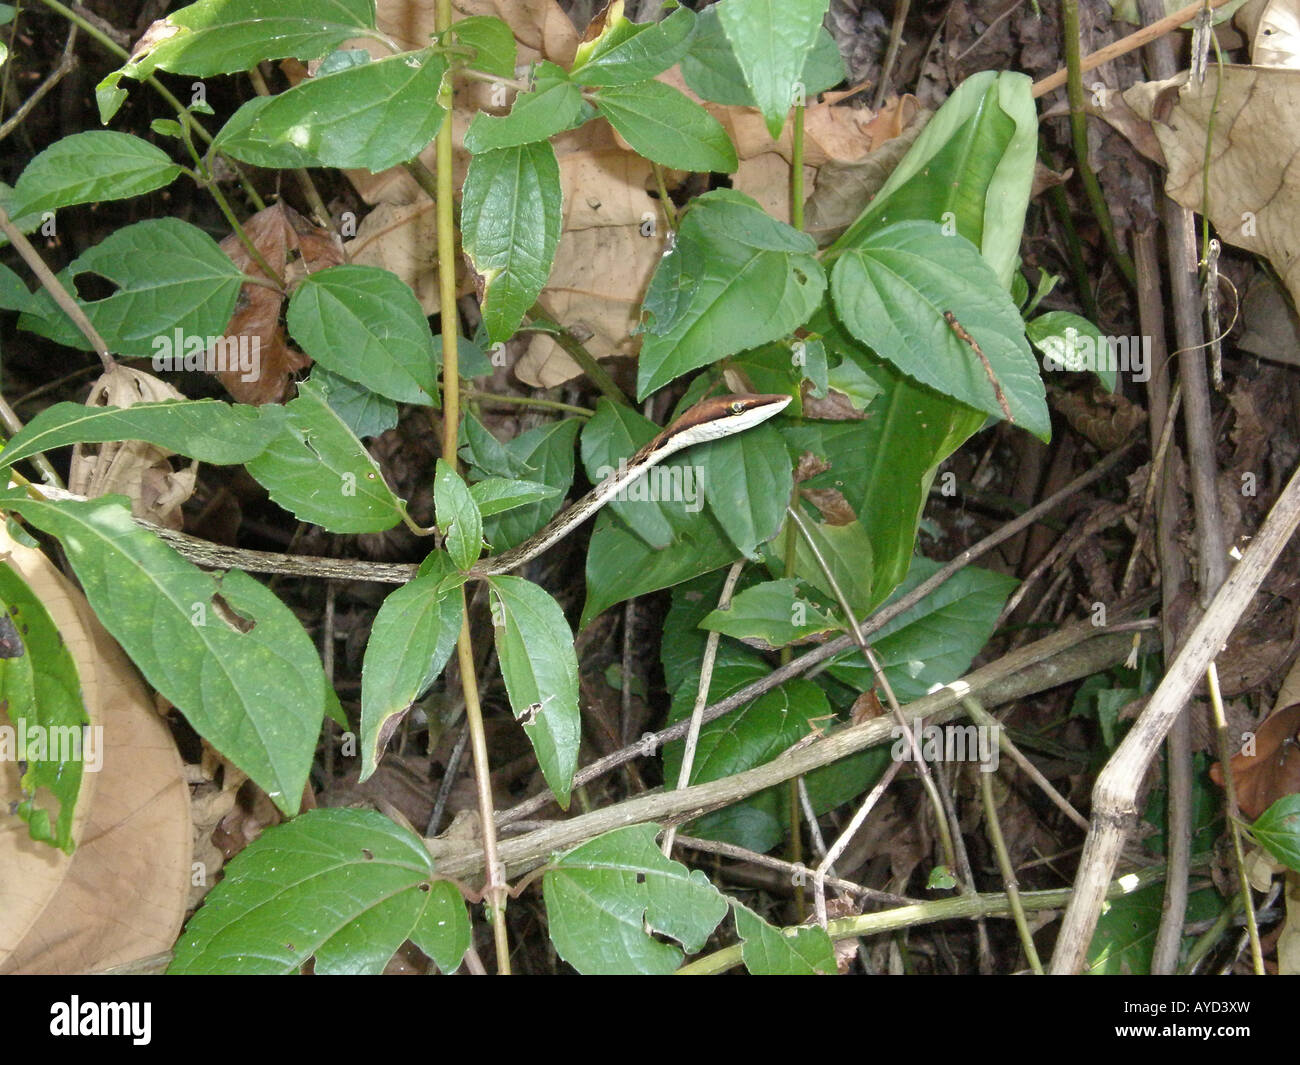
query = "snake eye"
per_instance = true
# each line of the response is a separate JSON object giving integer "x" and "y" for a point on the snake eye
{"x": 737, "y": 408}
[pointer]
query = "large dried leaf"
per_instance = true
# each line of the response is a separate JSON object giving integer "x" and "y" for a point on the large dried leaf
{"x": 123, "y": 894}
{"x": 1254, "y": 164}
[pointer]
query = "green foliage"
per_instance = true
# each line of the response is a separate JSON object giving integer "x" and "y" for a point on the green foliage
{"x": 737, "y": 291}
{"x": 40, "y": 693}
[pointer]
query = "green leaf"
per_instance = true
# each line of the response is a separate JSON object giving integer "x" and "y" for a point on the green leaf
{"x": 973, "y": 164}
{"x": 14, "y": 294}
{"x": 884, "y": 464}
{"x": 365, "y": 412}
{"x": 667, "y": 127}
{"x": 621, "y": 566}
{"x": 92, "y": 166}
{"x": 1070, "y": 342}
{"x": 892, "y": 290}
{"x": 497, "y": 494}
{"x": 711, "y": 71}
{"x": 935, "y": 641}
{"x": 229, "y": 36}
{"x": 554, "y": 105}
{"x": 364, "y": 324}
{"x": 736, "y": 278}
{"x": 1126, "y": 931}
{"x": 220, "y": 647}
{"x": 346, "y": 887}
{"x": 173, "y": 285}
{"x": 410, "y": 643}
{"x": 40, "y": 693}
{"x": 769, "y": 951}
{"x": 772, "y": 42}
{"x": 607, "y": 900}
{"x": 492, "y": 41}
{"x": 203, "y": 429}
{"x": 369, "y": 117}
{"x": 540, "y": 668}
{"x": 773, "y": 612}
{"x": 510, "y": 218}
{"x": 846, "y": 550}
{"x": 1278, "y": 829}
{"x": 544, "y": 455}
{"x": 459, "y": 519}
{"x": 748, "y": 482}
{"x": 319, "y": 471}
{"x": 628, "y": 52}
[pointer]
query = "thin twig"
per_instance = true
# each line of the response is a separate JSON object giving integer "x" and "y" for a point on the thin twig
{"x": 702, "y": 696}
{"x": 55, "y": 288}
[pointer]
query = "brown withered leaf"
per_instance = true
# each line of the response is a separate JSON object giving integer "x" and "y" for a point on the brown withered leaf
{"x": 293, "y": 247}
{"x": 1103, "y": 418}
{"x": 142, "y": 472}
{"x": 1273, "y": 770}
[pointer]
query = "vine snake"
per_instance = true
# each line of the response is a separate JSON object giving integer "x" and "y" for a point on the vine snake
{"x": 710, "y": 419}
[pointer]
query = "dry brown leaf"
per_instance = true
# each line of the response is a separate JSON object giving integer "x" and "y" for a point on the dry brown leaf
{"x": 123, "y": 893}
{"x": 142, "y": 472}
{"x": 293, "y": 247}
{"x": 1273, "y": 770}
{"x": 1255, "y": 162}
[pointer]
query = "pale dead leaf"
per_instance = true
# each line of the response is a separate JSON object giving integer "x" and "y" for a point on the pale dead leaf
{"x": 141, "y": 472}
{"x": 1273, "y": 27}
{"x": 122, "y": 895}
{"x": 1255, "y": 162}
{"x": 1288, "y": 943}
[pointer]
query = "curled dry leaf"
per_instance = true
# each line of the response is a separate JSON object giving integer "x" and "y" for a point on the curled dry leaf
{"x": 1273, "y": 769}
{"x": 1106, "y": 419}
{"x": 293, "y": 247}
{"x": 1273, "y": 27}
{"x": 1254, "y": 165}
{"x": 122, "y": 895}
{"x": 141, "y": 472}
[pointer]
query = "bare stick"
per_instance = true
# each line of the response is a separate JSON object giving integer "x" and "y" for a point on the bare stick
{"x": 1115, "y": 793}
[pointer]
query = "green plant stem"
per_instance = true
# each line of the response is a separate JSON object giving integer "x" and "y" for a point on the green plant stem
{"x": 966, "y": 906}
{"x": 1079, "y": 133}
{"x": 596, "y": 373}
{"x": 795, "y": 850}
{"x": 1234, "y": 813}
{"x": 665, "y": 201}
{"x": 999, "y": 845}
{"x": 1060, "y": 205}
{"x": 495, "y": 891}
{"x": 527, "y": 401}
{"x": 112, "y": 47}
{"x": 796, "y": 169}
{"x": 855, "y": 630}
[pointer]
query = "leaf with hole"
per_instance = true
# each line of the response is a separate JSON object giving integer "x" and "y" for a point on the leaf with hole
{"x": 540, "y": 668}
{"x": 608, "y": 899}
{"x": 320, "y": 472}
{"x": 346, "y": 887}
{"x": 219, "y": 646}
